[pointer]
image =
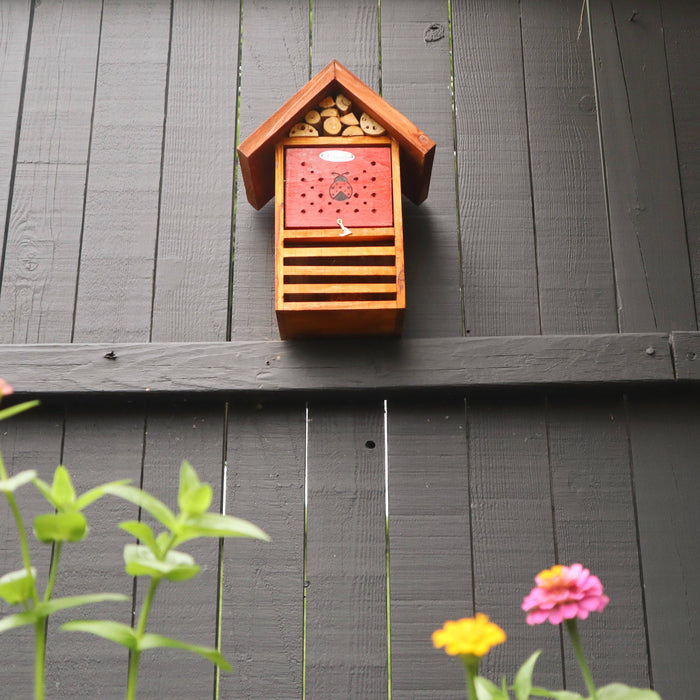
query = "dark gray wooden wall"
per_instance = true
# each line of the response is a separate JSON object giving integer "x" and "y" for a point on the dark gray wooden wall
{"x": 564, "y": 202}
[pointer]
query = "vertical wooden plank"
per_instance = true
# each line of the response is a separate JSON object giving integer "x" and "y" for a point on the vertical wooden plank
{"x": 14, "y": 27}
{"x": 183, "y": 430}
{"x": 512, "y": 530}
{"x": 429, "y": 543}
{"x": 263, "y": 582}
{"x": 647, "y": 228}
{"x": 99, "y": 446}
{"x": 274, "y": 65}
{"x": 191, "y": 299}
{"x": 346, "y": 632}
{"x": 665, "y": 447}
{"x": 29, "y": 441}
{"x": 121, "y": 212}
{"x": 495, "y": 203}
{"x": 576, "y": 286}
{"x": 416, "y": 79}
{"x": 681, "y": 31}
{"x": 595, "y": 526}
{"x": 43, "y": 242}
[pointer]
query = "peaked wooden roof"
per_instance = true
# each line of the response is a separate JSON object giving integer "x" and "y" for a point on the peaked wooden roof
{"x": 257, "y": 153}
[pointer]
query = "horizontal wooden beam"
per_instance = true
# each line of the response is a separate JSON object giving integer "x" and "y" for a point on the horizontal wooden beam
{"x": 360, "y": 365}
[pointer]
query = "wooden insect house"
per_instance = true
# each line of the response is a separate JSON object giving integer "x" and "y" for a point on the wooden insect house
{"x": 337, "y": 158}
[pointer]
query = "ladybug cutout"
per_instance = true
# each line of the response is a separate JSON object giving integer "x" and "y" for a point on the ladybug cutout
{"x": 340, "y": 188}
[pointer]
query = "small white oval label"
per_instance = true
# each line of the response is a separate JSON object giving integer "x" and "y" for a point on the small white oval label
{"x": 337, "y": 156}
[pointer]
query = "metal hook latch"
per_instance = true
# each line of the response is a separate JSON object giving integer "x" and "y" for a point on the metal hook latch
{"x": 346, "y": 230}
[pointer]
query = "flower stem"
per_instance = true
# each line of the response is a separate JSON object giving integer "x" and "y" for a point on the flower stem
{"x": 471, "y": 667}
{"x": 39, "y": 657}
{"x": 135, "y": 655}
{"x": 572, "y": 629}
{"x": 53, "y": 570}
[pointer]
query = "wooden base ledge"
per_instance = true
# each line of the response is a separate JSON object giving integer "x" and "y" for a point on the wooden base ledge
{"x": 367, "y": 365}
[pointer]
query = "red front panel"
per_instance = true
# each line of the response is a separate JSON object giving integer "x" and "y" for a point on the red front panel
{"x": 324, "y": 184}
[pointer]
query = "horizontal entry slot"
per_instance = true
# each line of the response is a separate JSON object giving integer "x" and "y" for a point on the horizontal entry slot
{"x": 364, "y": 280}
{"x": 310, "y": 297}
{"x": 339, "y": 288}
{"x": 371, "y": 261}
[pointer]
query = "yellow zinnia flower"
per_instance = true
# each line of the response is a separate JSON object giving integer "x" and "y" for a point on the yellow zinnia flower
{"x": 470, "y": 635}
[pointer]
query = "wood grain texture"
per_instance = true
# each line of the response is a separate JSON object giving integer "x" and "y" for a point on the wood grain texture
{"x": 429, "y": 542}
{"x": 31, "y": 440}
{"x": 346, "y": 594}
{"x": 593, "y": 500}
{"x": 665, "y": 443}
{"x": 121, "y": 210}
{"x": 99, "y": 446}
{"x": 647, "y": 228}
{"x": 194, "y": 240}
{"x": 498, "y": 249}
{"x": 14, "y": 26}
{"x": 512, "y": 528}
{"x": 574, "y": 265}
{"x": 263, "y": 582}
{"x": 681, "y": 25}
{"x": 274, "y": 66}
{"x": 416, "y": 80}
{"x": 686, "y": 355}
{"x": 43, "y": 242}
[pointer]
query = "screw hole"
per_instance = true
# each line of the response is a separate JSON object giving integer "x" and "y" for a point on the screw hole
{"x": 370, "y": 444}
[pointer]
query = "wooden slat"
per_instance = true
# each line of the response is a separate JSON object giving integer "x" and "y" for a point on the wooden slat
{"x": 686, "y": 355}
{"x": 359, "y": 364}
{"x": 593, "y": 498}
{"x": 512, "y": 529}
{"x": 497, "y": 238}
{"x": 665, "y": 443}
{"x": 681, "y": 25}
{"x": 194, "y": 241}
{"x": 275, "y": 47}
{"x": 43, "y": 242}
{"x": 429, "y": 543}
{"x": 339, "y": 305}
{"x": 416, "y": 80}
{"x": 650, "y": 250}
{"x": 368, "y": 270}
{"x": 346, "y": 595}
{"x": 333, "y": 234}
{"x": 574, "y": 265}
{"x": 338, "y": 252}
{"x": 263, "y": 583}
{"x": 121, "y": 212}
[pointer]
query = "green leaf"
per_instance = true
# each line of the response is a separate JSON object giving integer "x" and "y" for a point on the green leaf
{"x": 217, "y": 525}
{"x": 153, "y": 641}
{"x": 45, "y": 491}
{"x": 143, "y": 532}
{"x": 60, "y": 527}
{"x": 19, "y": 408}
{"x": 48, "y": 607}
{"x": 62, "y": 489}
{"x": 522, "y": 685}
{"x": 107, "y": 629}
{"x": 486, "y": 690}
{"x": 17, "y": 586}
{"x": 92, "y": 495}
{"x": 17, "y": 620}
{"x": 14, "y": 482}
{"x": 618, "y": 691}
{"x": 144, "y": 500}
{"x": 175, "y": 566}
{"x": 556, "y": 694}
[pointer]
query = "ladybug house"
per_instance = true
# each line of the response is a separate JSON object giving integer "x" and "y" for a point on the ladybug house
{"x": 337, "y": 159}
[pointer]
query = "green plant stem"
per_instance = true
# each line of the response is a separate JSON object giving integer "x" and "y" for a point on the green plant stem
{"x": 572, "y": 629}
{"x": 471, "y": 667}
{"x": 39, "y": 657}
{"x": 140, "y": 630}
{"x": 52, "y": 571}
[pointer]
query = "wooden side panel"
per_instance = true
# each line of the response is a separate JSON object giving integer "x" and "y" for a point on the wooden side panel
{"x": 100, "y": 446}
{"x": 262, "y": 621}
{"x": 512, "y": 528}
{"x": 595, "y": 526}
{"x": 275, "y": 52}
{"x": 665, "y": 446}
{"x": 681, "y": 25}
{"x": 416, "y": 80}
{"x": 29, "y": 441}
{"x": 346, "y": 594}
{"x": 14, "y": 25}
{"x": 121, "y": 211}
{"x": 497, "y": 237}
{"x": 647, "y": 227}
{"x": 43, "y": 240}
{"x": 574, "y": 265}
{"x": 429, "y": 543}
{"x": 191, "y": 299}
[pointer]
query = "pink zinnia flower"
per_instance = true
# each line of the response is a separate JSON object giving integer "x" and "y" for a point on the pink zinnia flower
{"x": 563, "y": 593}
{"x": 5, "y": 388}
